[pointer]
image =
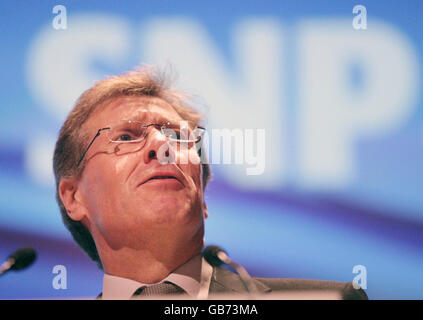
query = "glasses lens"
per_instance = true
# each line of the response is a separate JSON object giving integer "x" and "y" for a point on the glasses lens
{"x": 185, "y": 131}
{"x": 126, "y": 135}
{"x": 127, "y": 131}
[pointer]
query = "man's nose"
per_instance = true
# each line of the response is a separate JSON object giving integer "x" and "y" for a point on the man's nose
{"x": 158, "y": 147}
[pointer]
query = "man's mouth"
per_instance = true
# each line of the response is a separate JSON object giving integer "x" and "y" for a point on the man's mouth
{"x": 163, "y": 178}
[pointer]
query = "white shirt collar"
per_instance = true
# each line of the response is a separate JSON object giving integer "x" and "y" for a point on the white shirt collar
{"x": 194, "y": 277}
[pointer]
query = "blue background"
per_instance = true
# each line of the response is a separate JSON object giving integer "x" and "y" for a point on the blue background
{"x": 283, "y": 228}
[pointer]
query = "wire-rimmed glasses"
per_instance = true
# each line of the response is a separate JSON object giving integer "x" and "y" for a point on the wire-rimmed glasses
{"x": 126, "y": 135}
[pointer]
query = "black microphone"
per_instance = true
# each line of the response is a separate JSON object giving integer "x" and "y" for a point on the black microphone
{"x": 19, "y": 260}
{"x": 217, "y": 256}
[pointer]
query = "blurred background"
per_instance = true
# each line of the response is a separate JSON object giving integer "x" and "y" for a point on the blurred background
{"x": 338, "y": 94}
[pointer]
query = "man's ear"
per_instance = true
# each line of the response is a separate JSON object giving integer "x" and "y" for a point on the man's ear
{"x": 205, "y": 211}
{"x": 71, "y": 198}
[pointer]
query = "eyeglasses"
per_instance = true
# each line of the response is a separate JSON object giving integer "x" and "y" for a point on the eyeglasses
{"x": 125, "y": 135}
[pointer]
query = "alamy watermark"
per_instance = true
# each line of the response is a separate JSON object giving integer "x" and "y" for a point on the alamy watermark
{"x": 60, "y": 20}
{"x": 360, "y": 280}
{"x": 226, "y": 146}
{"x": 60, "y": 280}
{"x": 360, "y": 20}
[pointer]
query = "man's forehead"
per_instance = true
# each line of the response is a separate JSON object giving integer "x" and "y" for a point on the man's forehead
{"x": 133, "y": 108}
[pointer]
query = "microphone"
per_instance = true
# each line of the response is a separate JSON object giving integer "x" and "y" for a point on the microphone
{"x": 19, "y": 260}
{"x": 217, "y": 256}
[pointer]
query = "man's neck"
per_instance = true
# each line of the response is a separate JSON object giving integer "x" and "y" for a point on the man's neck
{"x": 193, "y": 277}
{"x": 147, "y": 266}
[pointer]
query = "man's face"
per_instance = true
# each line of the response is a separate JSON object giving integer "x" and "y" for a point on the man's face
{"x": 125, "y": 205}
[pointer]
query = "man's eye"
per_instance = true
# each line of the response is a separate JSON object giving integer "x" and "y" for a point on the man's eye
{"x": 171, "y": 133}
{"x": 175, "y": 135}
{"x": 127, "y": 134}
{"x": 125, "y": 137}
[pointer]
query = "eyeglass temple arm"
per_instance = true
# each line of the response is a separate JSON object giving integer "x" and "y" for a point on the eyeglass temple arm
{"x": 92, "y": 141}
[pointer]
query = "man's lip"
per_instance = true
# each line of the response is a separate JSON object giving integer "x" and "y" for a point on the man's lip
{"x": 161, "y": 175}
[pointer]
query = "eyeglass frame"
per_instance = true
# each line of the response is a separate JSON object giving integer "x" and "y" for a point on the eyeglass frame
{"x": 108, "y": 128}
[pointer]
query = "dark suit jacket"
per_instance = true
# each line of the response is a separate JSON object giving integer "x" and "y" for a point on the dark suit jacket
{"x": 226, "y": 282}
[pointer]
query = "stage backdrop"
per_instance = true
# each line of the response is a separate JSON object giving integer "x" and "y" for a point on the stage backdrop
{"x": 336, "y": 86}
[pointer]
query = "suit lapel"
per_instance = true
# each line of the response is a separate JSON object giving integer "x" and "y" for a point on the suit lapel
{"x": 225, "y": 281}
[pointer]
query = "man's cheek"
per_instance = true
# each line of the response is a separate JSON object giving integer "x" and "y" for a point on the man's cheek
{"x": 195, "y": 173}
{"x": 181, "y": 156}
{"x": 185, "y": 155}
{"x": 123, "y": 164}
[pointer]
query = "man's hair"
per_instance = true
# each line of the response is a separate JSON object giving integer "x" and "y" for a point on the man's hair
{"x": 147, "y": 82}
